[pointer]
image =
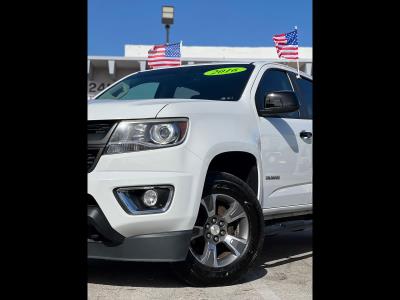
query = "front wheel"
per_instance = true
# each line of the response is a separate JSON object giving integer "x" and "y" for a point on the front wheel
{"x": 228, "y": 233}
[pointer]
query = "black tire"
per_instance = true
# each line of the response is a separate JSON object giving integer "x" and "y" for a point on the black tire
{"x": 192, "y": 270}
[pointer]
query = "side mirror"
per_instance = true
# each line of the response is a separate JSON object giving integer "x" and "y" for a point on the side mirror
{"x": 279, "y": 102}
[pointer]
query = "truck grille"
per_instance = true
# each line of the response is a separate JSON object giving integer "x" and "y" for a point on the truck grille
{"x": 98, "y": 134}
{"x": 92, "y": 157}
{"x": 98, "y": 130}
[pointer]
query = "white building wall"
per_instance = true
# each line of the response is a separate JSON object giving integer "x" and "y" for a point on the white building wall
{"x": 220, "y": 53}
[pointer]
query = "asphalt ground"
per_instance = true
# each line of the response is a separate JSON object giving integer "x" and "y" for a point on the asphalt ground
{"x": 282, "y": 271}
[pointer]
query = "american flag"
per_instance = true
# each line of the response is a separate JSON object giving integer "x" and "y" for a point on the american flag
{"x": 286, "y": 45}
{"x": 166, "y": 55}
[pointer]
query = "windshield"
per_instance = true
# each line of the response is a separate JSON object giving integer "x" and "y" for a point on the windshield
{"x": 224, "y": 82}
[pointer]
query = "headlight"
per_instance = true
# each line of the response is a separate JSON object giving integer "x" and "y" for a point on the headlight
{"x": 132, "y": 136}
{"x": 163, "y": 134}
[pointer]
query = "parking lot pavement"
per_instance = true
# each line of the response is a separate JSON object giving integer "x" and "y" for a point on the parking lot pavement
{"x": 283, "y": 271}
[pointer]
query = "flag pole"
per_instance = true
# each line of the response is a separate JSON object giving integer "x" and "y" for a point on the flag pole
{"x": 298, "y": 65}
{"x": 180, "y": 50}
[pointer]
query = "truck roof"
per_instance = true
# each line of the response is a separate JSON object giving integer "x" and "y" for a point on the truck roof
{"x": 257, "y": 63}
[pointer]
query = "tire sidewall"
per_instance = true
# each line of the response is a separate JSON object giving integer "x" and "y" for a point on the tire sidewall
{"x": 227, "y": 184}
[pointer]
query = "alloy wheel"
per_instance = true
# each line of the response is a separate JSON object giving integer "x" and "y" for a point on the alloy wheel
{"x": 221, "y": 233}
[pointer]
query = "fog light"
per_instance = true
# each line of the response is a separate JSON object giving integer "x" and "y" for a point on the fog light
{"x": 150, "y": 198}
{"x": 145, "y": 199}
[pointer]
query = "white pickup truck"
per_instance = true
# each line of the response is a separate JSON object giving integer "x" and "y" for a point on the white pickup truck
{"x": 189, "y": 164}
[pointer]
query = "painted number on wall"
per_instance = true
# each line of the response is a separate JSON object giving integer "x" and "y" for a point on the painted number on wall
{"x": 95, "y": 87}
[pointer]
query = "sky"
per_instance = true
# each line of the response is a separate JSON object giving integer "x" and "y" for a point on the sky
{"x": 241, "y": 23}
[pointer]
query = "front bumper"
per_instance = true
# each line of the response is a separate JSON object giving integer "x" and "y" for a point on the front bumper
{"x": 168, "y": 233}
{"x": 181, "y": 214}
{"x": 160, "y": 247}
{"x": 105, "y": 243}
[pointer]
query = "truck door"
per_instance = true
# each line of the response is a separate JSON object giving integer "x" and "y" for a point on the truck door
{"x": 286, "y": 143}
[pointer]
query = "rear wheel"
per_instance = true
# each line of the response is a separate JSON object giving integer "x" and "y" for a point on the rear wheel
{"x": 228, "y": 233}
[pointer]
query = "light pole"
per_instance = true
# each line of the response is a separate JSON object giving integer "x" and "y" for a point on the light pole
{"x": 167, "y": 18}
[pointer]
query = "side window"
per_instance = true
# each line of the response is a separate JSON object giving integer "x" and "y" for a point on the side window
{"x": 274, "y": 80}
{"x": 306, "y": 91}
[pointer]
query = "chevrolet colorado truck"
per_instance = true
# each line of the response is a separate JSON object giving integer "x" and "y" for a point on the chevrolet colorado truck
{"x": 191, "y": 165}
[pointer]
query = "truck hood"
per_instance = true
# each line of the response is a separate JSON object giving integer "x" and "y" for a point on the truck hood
{"x": 129, "y": 109}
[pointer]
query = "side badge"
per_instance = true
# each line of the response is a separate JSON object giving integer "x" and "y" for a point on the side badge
{"x": 272, "y": 177}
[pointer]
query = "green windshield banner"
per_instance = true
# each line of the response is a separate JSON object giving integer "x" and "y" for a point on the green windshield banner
{"x": 224, "y": 71}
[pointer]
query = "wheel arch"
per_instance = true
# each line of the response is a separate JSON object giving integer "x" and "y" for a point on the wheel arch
{"x": 240, "y": 163}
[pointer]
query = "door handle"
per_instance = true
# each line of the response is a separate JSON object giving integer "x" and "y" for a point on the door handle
{"x": 305, "y": 134}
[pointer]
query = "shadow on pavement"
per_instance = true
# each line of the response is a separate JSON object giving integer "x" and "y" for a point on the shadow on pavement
{"x": 277, "y": 250}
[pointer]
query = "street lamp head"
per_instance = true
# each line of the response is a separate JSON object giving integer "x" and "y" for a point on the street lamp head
{"x": 167, "y": 15}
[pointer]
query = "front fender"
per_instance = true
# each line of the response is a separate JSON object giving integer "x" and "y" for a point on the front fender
{"x": 217, "y": 127}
